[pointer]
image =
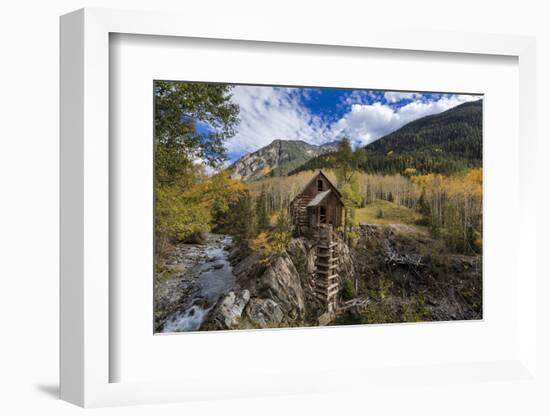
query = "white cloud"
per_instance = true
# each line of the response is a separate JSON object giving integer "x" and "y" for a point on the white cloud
{"x": 269, "y": 113}
{"x": 367, "y": 122}
{"x": 394, "y": 96}
{"x": 359, "y": 97}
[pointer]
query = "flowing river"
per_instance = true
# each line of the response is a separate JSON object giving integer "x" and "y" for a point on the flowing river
{"x": 209, "y": 277}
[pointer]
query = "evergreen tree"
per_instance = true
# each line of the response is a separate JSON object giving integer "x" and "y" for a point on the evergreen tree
{"x": 281, "y": 236}
{"x": 243, "y": 218}
{"x": 262, "y": 217}
{"x": 444, "y": 143}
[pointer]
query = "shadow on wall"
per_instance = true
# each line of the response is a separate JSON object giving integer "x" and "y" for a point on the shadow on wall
{"x": 51, "y": 390}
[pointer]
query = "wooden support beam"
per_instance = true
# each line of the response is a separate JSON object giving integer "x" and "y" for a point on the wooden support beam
{"x": 328, "y": 265}
{"x": 328, "y": 246}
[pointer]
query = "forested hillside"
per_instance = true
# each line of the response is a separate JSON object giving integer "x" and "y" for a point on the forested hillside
{"x": 443, "y": 143}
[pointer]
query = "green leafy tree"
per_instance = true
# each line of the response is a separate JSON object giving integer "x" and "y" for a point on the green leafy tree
{"x": 192, "y": 121}
{"x": 344, "y": 161}
{"x": 351, "y": 197}
{"x": 224, "y": 195}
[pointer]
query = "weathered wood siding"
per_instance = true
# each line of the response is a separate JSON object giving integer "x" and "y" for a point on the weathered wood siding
{"x": 334, "y": 209}
{"x": 332, "y": 203}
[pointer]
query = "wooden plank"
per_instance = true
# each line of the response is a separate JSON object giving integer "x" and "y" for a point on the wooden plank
{"x": 327, "y": 265}
{"x": 327, "y": 272}
{"x": 328, "y": 287}
{"x": 327, "y": 246}
{"x": 333, "y": 292}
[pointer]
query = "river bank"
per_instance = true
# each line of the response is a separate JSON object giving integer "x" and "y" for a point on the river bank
{"x": 195, "y": 277}
{"x": 393, "y": 273}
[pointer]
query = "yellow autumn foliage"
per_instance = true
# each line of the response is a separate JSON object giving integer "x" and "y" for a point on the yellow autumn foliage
{"x": 187, "y": 209}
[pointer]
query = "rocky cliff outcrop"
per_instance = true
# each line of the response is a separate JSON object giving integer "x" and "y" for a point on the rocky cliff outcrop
{"x": 228, "y": 311}
{"x": 394, "y": 273}
{"x": 266, "y": 294}
{"x": 278, "y": 292}
{"x": 264, "y": 313}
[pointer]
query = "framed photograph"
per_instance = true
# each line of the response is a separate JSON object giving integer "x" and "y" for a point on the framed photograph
{"x": 291, "y": 209}
{"x": 288, "y": 207}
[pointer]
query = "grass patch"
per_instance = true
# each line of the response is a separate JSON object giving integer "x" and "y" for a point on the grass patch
{"x": 385, "y": 212}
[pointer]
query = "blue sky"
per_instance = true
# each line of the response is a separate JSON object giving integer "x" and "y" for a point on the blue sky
{"x": 321, "y": 115}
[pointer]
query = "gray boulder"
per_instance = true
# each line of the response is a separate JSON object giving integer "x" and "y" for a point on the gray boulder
{"x": 264, "y": 313}
{"x": 281, "y": 283}
{"x": 227, "y": 312}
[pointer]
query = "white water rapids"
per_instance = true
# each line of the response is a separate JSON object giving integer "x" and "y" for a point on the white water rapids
{"x": 213, "y": 278}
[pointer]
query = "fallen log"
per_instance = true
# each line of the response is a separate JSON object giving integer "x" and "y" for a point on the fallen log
{"x": 352, "y": 303}
{"x": 393, "y": 257}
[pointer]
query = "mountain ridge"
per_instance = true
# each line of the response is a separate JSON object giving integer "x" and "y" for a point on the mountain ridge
{"x": 444, "y": 143}
{"x": 276, "y": 159}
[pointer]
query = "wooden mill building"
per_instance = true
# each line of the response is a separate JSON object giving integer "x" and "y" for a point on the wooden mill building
{"x": 319, "y": 208}
{"x": 318, "y": 203}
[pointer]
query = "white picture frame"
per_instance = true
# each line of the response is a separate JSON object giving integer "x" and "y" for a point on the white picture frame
{"x": 85, "y": 220}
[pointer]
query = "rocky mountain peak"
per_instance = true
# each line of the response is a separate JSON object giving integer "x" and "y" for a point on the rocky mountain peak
{"x": 276, "y": 159}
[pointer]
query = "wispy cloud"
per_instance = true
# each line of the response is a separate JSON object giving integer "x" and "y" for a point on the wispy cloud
{"x": 269, "y": 113}
{"x": 395, "y": 96}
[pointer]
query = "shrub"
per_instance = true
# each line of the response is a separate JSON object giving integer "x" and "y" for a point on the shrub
{"x": 380, "y": 310}
{"x": 281, "y": 236}
{"x": 280, "y": 241}
{"x": 260, "y": 242}
{"x": 348, "y": 290}
{"x": 300, "y": 262}
{"x": 415, "y": 310}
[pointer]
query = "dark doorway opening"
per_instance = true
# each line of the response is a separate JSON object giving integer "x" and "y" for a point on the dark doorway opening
{"x": 322, "y": 215}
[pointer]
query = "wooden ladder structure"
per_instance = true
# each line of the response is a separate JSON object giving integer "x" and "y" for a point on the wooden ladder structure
{"x": 326, "y": 269}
